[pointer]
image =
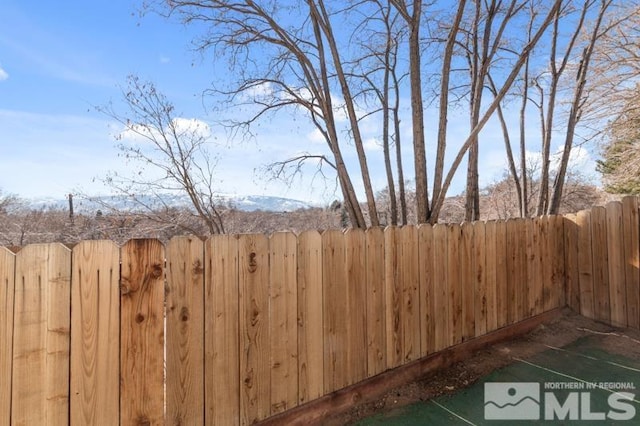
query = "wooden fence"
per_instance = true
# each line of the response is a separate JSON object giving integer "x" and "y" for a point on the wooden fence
{"x": 603, "y": 263}
{"x": 235, "y": 329}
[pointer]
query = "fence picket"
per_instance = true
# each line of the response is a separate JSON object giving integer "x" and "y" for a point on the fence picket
{"x": 454, "y": 284}
{"x": 376, "y": 326}
{"x": 467, "y": 280}
{"x": 534, "y": 266}
{"x": 512, "y": 305}
{"x": 441, "y": 288}
{"x": 631, "y": 259}
{"x": 502, "y": 275}
{"x": 558, "y": 264}
{"x": 355, "y": 262}
{"x": 491, "y": 275}
{"x": 615, "y": 255}
{"x": 427, "y": 289}
{"x": 410, "y": 300}
{"x": 283, "y": 313}
{"x": 310, "y": 317}
{"x": 334, "y": 283}
{"x": 95, "y": 333}
{"x": 255, "y": 368}
{"x": 585, "y": 263}
{"x": 393, "y": 297}
{"x": 572, "y": 274}
{"x": 480, "y": 273}
{"x": 142, "y": 332}
{"x": 600, "y": 257}
{"x": 7, "y": 279}
{"x": 185, "y": 329}
{"x": 221, "y": 327}
{"x": 40, "y": 386}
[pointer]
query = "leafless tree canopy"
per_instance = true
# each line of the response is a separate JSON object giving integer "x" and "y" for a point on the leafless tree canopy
{"x": 340, "y": 64}
{"x": 169, "y": 155}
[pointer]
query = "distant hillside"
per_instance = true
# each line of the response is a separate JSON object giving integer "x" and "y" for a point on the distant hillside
{"x": 247, "y": 203}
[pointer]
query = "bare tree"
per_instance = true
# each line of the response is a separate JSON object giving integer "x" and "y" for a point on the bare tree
{"x": 507, "y": 83}
{"x": 413, "y": 14}
{"x": 291, "y": 55}
{"x": 481, "y": 44}
{"x": 172, "y": 156}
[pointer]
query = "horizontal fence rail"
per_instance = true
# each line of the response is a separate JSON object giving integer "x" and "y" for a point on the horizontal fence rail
{"x": 238, "y": 328}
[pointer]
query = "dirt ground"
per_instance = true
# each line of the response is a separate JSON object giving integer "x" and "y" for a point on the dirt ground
{"x": 558, "y": 333}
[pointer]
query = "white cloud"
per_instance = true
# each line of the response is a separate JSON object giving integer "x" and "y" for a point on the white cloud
{"x": 259, "y": 91}
{"x": 164, "y": 59}
{"x": 193, "y": 125}
{"x": 135, "y": 133}
{"x": 372, "y": 144}
{"x": 141, "y": 133}
{"x": 316, "y": 137}
{"x": 3, "y": 74}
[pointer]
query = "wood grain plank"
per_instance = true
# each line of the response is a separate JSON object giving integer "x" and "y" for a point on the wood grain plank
{"x": 7, "y": 280}
{"x": 522, "y": 294}
{"x": 601, "y": 294}
{"x": 255, "y": 366}
{"x": 142, "y": 333}
{"x": 480, "y": 279}
{"x": 185, "y": 331}
{"x": 502, "y": 274}
{"x": 283, "y": 313}
{"x": 631, "y": 235}
{"x": 615, "y": 255}
{"x": 467, "y": 280}
{"x": 427, "y": 289}
{"x": 513, "y": 275}
{"x": 491, "y": 275}
{"x": 410, "y": 282}
{"x": 393, "y": 293}
{"x": 558, "y": 264}
{"x": 454, "y": 284}
{"x": 310, "y": 317}
{"x": 546, "y": 272}
{"x": 376, "y": 325}
{"x": 355, "y": 258}
{"x": 222, "y": 338}
{"x": 585, "y": 264}
{"x": 572, "y": 274}
{"x": 441, "y": 288}
{"x": 95, "y": 333}
{"x": 42, "y": 321}
{"x": 334, "y": 284}
{"x": 534, "y": 265}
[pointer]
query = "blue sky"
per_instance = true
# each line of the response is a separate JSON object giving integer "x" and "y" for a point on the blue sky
{"x": 58, "y": 60}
